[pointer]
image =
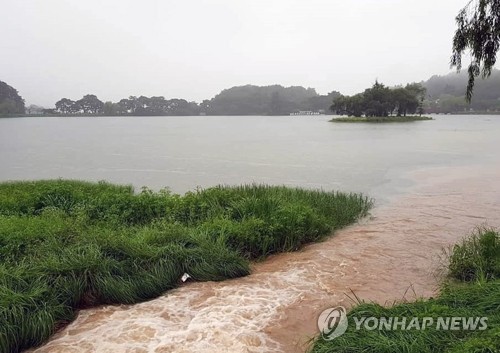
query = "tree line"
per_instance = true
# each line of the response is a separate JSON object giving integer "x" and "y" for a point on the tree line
{"x": 382, "y": 101}
{"x": 242, "y": 100}
{"x": 91, "y": 105}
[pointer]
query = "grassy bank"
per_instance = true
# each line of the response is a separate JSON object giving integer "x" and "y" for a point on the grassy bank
{"x": 68, "y": 244}
{"x": 472, "y": 289}
{"x": 386, "y": 119}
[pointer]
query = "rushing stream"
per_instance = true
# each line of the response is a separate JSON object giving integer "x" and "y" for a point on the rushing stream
{"x": 433, "y": 181}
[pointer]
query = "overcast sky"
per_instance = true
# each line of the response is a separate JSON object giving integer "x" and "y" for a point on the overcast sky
{"x": 192, "y": 49}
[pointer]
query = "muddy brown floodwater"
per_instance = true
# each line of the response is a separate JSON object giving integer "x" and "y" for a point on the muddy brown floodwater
{"x": 393, "y": 254}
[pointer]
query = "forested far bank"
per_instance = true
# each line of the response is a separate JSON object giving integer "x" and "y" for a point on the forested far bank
{"x": 438, "y": 95}
{"x": 242, "y": 100}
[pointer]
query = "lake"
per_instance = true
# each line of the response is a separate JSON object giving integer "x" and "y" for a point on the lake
{"x": 185, "y": 152}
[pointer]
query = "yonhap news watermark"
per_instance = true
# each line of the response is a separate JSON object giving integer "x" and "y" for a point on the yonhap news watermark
{"x": 333, "y": 323}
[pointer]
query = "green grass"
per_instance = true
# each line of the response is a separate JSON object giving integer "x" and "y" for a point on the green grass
{"x": 472, "y": 289}
{"x": 65, "y": 244}
{"x": 476, "y": 258}
{"x": 386, "y": 119}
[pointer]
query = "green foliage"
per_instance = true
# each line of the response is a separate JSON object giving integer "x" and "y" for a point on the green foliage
{"x": 141, "y": 106}
{"x": 478, "y": 32}
{"x": 350, "y": 106}
{"x": 31, "y": 197}
{"x": 381, "y": 101}
{"x": 110, "y": 109}
{"x": 89, "y": 104}
{"x": 69, "y": 244}
{"x": 477, "y": 257}
{"x": 67, "y": 106}
{"x": 10, "y": 101}
{"x": 475, "y": 261}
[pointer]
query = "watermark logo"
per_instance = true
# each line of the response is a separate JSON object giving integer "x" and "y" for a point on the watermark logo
{"x": 333, "y": 323}
{"x": 421, "y": 323}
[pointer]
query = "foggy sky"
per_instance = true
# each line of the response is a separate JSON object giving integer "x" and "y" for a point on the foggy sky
{"x": 193, "y": 48}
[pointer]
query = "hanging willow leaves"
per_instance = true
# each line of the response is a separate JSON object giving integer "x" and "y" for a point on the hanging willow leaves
{"x": 478, "y": 32}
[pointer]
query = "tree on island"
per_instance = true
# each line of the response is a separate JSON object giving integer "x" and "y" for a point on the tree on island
{"x": 382, "y": 101}
{"x": 410, "y": 99}
{"x": 378, "y": 101}
{"x": 478, "y": 32}
{"x": 10, "y": 100}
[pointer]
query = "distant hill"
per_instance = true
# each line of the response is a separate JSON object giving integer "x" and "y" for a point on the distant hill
{"x": 267, "y": 100}
{"x": 446, "y": 94}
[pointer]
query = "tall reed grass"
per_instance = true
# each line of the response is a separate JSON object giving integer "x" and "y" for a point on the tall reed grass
{"x": 65, "y": 244}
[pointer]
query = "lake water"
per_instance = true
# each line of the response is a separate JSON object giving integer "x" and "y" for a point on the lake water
{"x": 185, "y": 152}
{"x": 434, "y": 181}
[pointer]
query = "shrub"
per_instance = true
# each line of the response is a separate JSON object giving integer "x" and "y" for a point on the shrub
{"x": 478, "y": 256}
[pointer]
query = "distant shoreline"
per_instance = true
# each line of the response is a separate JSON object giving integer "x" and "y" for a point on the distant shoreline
{"x": 132, "y": 115}
{"x": 294, "y": 116}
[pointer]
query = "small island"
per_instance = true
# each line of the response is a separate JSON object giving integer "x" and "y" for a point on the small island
{"x": 386, "y": 119}
{"x": 381, "y": 104}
